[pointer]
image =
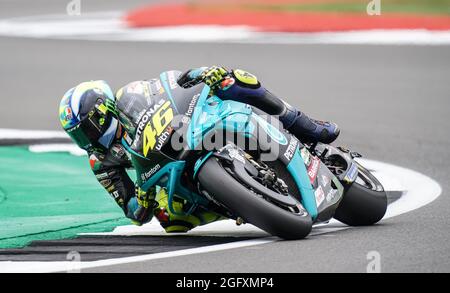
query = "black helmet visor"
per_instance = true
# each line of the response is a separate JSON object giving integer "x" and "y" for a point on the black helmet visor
{"x": 89, "y": 130}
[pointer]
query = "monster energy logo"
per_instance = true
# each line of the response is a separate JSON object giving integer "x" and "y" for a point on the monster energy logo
{"x": 111, "y": 106}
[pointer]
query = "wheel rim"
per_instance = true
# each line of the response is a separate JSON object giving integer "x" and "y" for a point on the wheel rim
{"x": 297, "y": 210}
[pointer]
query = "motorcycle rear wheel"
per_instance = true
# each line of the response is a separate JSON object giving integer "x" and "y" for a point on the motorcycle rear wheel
{"x": 364, "y": 202}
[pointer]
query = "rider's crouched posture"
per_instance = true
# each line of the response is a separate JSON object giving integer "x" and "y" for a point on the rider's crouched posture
{"x": 93, "y": 118}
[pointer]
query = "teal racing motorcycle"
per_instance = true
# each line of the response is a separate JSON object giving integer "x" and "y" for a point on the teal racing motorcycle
{"x": 227, "y": 157}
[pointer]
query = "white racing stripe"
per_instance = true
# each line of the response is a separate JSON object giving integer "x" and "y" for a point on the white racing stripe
{"x": 109, "y": 26}
{"x": 418, "y": 190}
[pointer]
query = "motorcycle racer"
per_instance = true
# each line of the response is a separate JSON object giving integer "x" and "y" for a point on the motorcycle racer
{"x": 97, "y": 121}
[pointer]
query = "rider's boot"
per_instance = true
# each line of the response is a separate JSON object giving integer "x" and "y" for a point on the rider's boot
{"x": 306, "y": 129}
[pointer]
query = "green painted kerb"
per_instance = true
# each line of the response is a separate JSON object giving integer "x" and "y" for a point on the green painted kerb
{"x": 50, "y": 196}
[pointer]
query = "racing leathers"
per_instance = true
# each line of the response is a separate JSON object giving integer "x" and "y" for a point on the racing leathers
{"x": 110, "y": 168}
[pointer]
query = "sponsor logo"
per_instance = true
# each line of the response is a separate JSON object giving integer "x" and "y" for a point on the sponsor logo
{"x": 313, "y": 169}
{"x": 172, "y": 80}
{"x": 115, "y": 194}
{"x": 159, "y": 89}
{"x": 146, "y": 117}
{"x": 105, "y": 183}
{"x": 147, "y": 89}
{"x": 305, "y": 156}
{"x": 331, "y": 195}
{"x": 325, "y": 180}
{"x": 351, "y": 174}
{"x": 192, "y": 104}
{"x": 320, "y": 196}
{"x": 290, "y": 151}
{"x": 163, "y": 138}
{"x": 136, "y": 87}
{"x": 185, "y": 120}
{"x": 147, "y": 175}
{"x": 102, "y": 176}
{"x": 160, "y": 120}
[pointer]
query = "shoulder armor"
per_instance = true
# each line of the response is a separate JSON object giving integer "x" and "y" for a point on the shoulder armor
{"x": 245, "y": 77}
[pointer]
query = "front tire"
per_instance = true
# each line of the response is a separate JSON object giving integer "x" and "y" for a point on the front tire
{"x": 364, "y": 202}
{"x": 252, "y": 208}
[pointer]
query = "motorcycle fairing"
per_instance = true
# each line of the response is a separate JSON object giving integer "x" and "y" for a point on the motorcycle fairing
{"x": 211, "y": 113}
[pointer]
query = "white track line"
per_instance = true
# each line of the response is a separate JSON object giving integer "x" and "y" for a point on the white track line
{"x": 109, "y": 26}
{"x": 57, "y": 147}
{"x": 30, "y": 134}
{"x": 48, "y": 267}
{"x": 419, "y": 191}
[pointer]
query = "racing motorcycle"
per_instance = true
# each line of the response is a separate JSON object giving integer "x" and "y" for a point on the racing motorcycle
{"x": 264, "y": 176}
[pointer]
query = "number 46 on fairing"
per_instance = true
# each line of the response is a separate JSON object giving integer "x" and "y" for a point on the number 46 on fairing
{"x": 160, "y": 120}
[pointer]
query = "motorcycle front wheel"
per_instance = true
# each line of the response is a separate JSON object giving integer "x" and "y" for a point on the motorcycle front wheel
{"x": 250, "y": 206}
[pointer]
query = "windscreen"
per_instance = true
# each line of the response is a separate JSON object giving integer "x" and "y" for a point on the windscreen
{"x": 132, "y": 103}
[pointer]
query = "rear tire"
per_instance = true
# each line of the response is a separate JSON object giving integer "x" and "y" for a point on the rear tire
{"x": 362, "y": 205}
{"x": 252, "y": 208}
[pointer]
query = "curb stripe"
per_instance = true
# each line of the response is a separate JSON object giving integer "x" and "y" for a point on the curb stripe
{"x": 110, "y": 26}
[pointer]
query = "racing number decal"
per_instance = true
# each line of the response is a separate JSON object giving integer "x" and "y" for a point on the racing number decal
{"x": 160, "y": 120}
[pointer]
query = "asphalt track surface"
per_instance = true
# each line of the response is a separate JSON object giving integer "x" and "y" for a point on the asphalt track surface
{"x": 392, "y": 103}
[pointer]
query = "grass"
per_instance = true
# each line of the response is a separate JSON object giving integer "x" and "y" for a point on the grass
{"x": 431, "y": 7}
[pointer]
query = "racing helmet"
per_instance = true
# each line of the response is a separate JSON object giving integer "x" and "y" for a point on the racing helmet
{"x": 87, "y": 113}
